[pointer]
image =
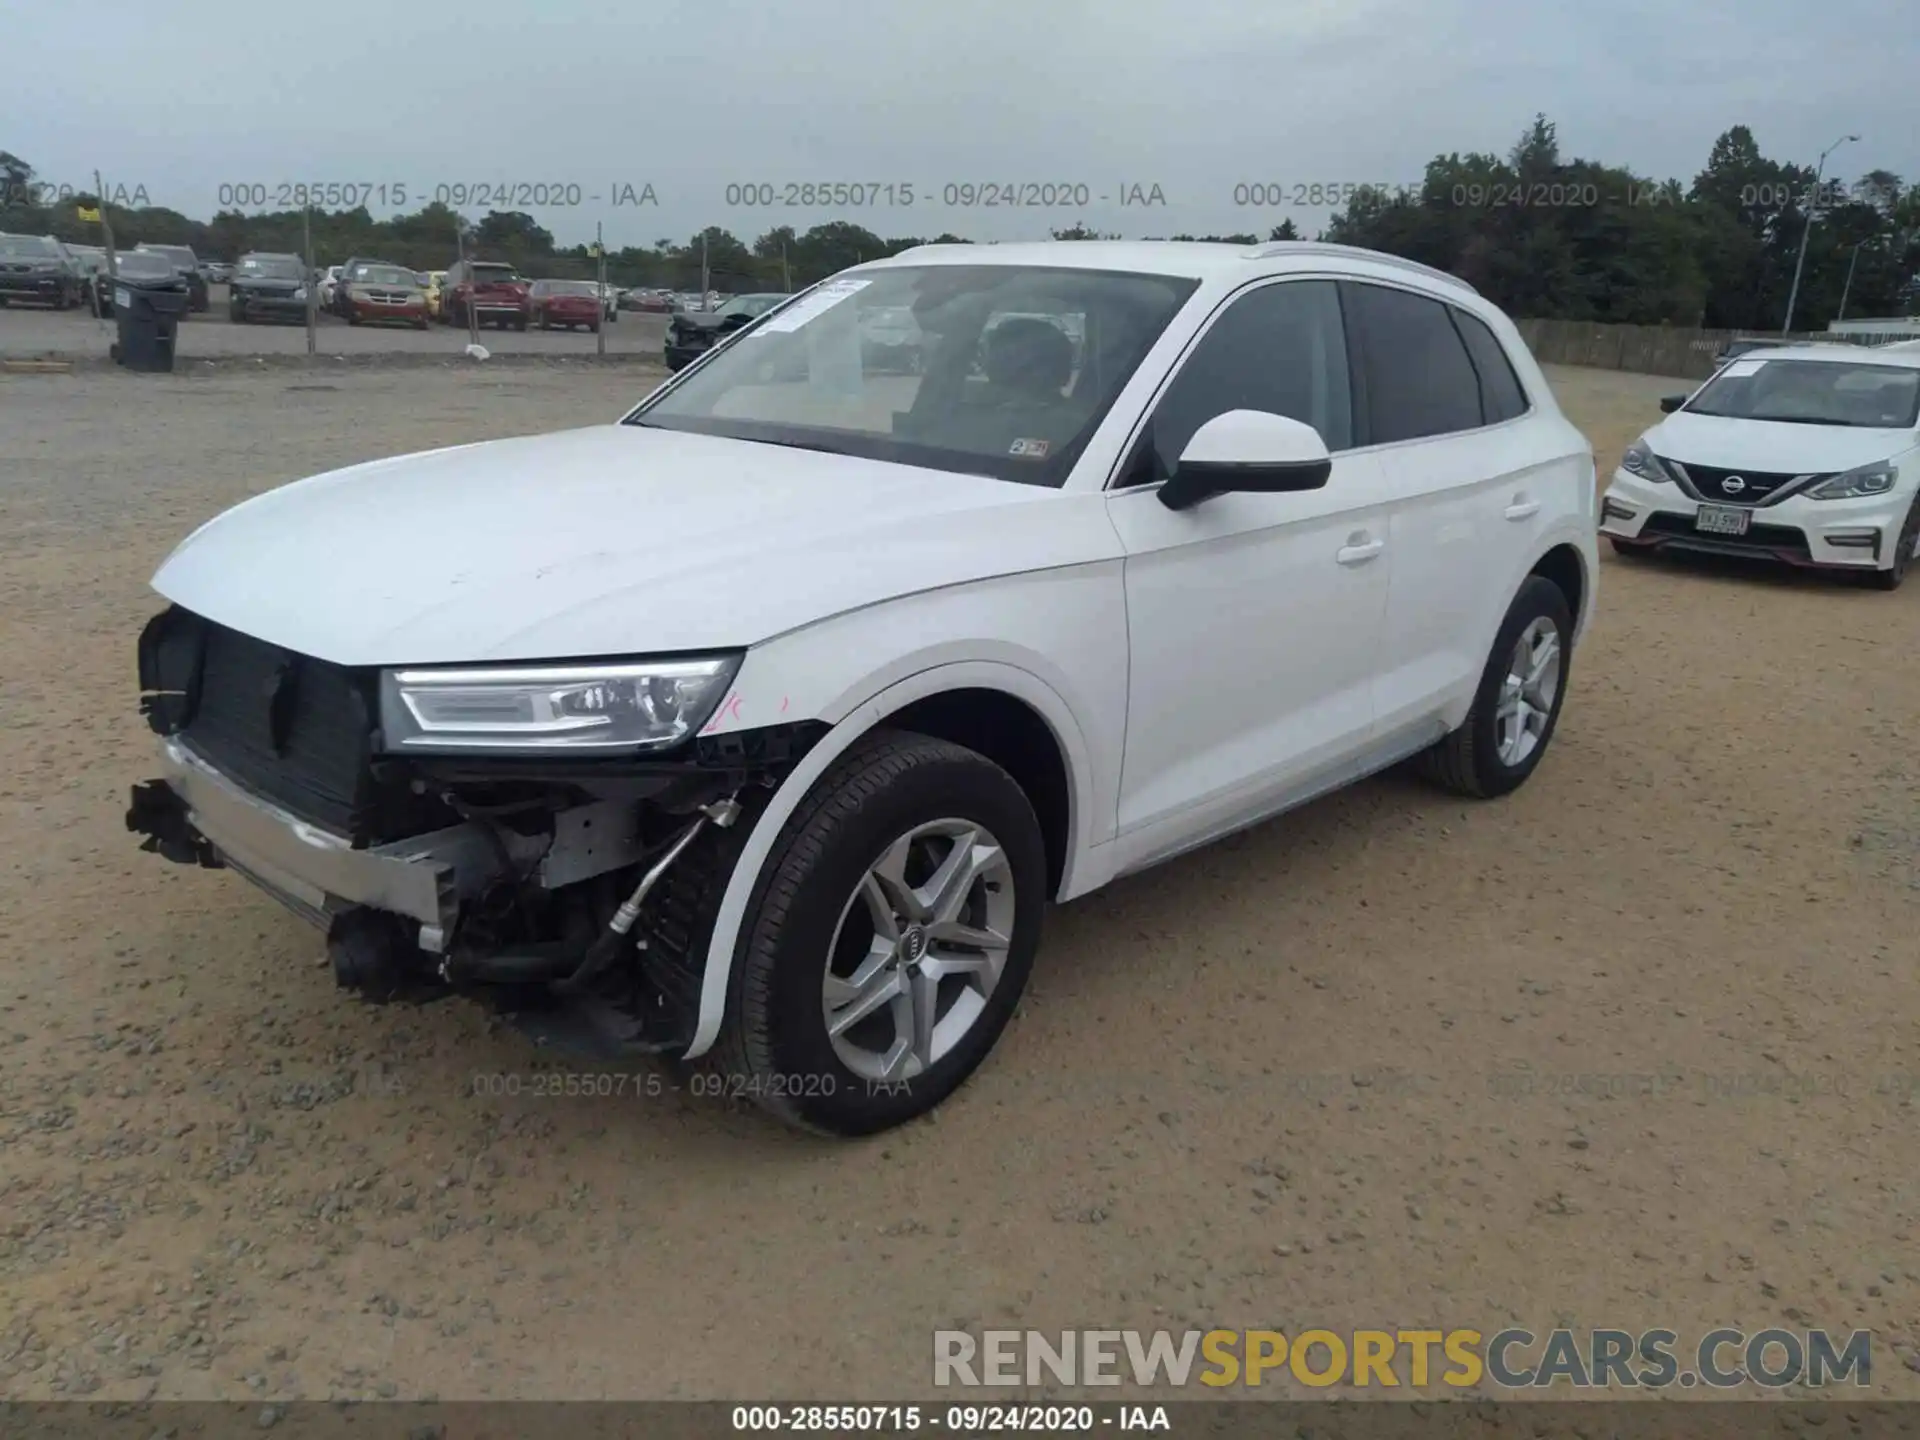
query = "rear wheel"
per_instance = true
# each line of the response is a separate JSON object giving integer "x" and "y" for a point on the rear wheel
{"x": 1517, "y": 706}
{"x": 1903, "y": 552}
{"x": 237, "y": 313}
{"x": 889, "y": 937}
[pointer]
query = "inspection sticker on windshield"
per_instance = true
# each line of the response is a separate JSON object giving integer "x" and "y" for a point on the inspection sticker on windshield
{"x": 812, "y": 306}
{"x": 1740, "y": 369}
{"x": 1031, "y": 449}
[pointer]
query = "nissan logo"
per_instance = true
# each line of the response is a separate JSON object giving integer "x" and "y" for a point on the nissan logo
{"x": 1733, "y": 484}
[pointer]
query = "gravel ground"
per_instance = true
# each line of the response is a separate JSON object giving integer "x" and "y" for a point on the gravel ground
{"x": 33, "y": 332}
{"x": 1634, "y": 1047}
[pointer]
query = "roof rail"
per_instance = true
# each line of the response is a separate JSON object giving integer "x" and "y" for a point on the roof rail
{"x": 1355, "y": 252}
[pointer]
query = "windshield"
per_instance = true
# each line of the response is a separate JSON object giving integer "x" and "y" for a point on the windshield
{"x": 494, "y": 275}
{"x": 383, "y": 275}
{"x": 1008, "y": 373}
{"x": 27, "y": 247}
{"x": 268, "y": 267}
{"x": 568, "y": 287}
{"x": 1813, "y": 392}
{"x": 145, "y": 265}
{"x": 179, "y": 254}
{"x": 750, "y": 305}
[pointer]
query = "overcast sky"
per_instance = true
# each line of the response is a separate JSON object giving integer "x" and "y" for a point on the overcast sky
{"x": 688, "y": 96}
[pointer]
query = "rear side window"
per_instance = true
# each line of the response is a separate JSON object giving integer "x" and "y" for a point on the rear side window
{"x": 1419, "y": 380}
{"x": 1501, "y": 397}
{"x": 1281, "y": 349}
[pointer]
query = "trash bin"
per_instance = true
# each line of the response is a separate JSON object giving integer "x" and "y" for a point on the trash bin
{"x": 147, "y": 306}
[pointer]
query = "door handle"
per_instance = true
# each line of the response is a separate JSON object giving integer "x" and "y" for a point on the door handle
{"x": 1522, "y": 508}
{"x": 1360, "y": 551}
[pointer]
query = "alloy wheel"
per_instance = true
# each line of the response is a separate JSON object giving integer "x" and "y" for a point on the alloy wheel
{"x": 1528, "y": 692}
{"x": 919, "y": 950}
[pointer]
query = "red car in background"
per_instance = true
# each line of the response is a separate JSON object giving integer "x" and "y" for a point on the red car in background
{"x": 497, "y": 295}
{"x": 382, "y": 294}
{"x": 566, "y": 302}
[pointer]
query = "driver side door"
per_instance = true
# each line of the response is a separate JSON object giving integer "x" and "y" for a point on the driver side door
{"x": 1254, "y": 620}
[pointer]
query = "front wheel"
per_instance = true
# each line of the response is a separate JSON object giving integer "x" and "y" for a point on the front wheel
{"x": 889, "y": 937}
{"x": 1904, "y": 547}
{"x": 1517, "y": 706}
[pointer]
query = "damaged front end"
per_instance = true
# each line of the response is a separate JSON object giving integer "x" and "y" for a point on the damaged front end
{"x": 575, "y": 892}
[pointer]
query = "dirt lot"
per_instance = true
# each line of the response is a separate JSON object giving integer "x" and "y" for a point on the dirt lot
{"x": 1274, "y": 1083}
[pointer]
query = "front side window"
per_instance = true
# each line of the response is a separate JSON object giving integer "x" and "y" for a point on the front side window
{"x": 1813, "y": 392}
{"x": 1419, "y": 379}
{"x": 997, "y": 384}
{"x": 1280, "y": 349}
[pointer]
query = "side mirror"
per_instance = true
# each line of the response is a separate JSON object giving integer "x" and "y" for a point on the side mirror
{"x": 1671, "y": 403}
{"x": 1247, "y": 451}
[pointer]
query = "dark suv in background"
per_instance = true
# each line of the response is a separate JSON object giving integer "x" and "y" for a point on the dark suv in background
{"x": 188, "y": 264}
{"x": 267, "y": 287}
{"x": 39, "y": 268}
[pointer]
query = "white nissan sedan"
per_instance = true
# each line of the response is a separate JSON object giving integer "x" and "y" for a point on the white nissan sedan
{"x": 1808, "y": 454}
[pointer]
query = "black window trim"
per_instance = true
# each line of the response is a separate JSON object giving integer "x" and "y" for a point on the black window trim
{"x": 1140, "y": 435}
{"x": 1356, "y": 342}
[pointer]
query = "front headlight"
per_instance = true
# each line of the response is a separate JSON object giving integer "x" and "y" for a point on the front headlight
{"x": 1641, "y": 461}
{"x": 300, "y": 292}
{"x": 1857, "y": 483}
{"x": 642, "y": 705}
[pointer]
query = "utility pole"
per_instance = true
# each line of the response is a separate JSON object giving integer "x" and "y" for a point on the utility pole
{"x": 106, "y": 230}
{"x": 600, "y": 326}
{"x": 706, "y": 275}
{"x": 1806, "y": 231}
{"x": 466, "y": 278}
{"x": 312, "y": 288}
{"x": 786, "y": 275}
{"x": 1847, "y": 289}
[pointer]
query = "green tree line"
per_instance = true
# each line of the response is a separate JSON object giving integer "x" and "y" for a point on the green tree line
{"x": 1541, "y": 235}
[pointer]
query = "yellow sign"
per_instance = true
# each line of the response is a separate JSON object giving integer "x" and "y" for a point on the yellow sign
{"x": 87, "y": 212}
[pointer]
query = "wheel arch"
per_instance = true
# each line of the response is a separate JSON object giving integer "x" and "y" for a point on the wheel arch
{"x": 1007, "y": 713}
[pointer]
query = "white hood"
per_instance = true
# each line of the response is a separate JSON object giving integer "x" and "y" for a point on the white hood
{"x": 612, "y": 540}
{"x": 1771, "y": 447}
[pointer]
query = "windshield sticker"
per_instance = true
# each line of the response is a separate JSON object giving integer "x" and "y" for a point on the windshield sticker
{"x": 1740, "y": 369}
{"x": 1031, "y": 449}
{"x": 811, "y": 306}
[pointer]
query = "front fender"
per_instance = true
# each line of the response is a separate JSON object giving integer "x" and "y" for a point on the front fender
{"x": 859, "y": 719}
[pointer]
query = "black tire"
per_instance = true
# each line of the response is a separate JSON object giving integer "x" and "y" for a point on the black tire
{"x": 1895, "y": 575}
{"x": 520, "y": 324}
{"x": 237, "y": 313}
{"x": 1467, "y": 761}
{"x": 773, "y": 1044}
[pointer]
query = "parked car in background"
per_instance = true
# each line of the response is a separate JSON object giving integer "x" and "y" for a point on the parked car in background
{"x": 356, "y": 266}
{"x": 375, "y": 294}
{"x": 327, "y": 287}
{"x": 1807, "y": 454}
{"x": 188, "y": 264}
{"x": 890, "y": 340}
{"x": 1734, "y": 349}
{"x": 655, "y": 302}
{"x": 494, "y": 291}
{"x": 838, "y": 684}
{"x": 610, "y": 298}
{"x": 691, "y": 333}
{"x": 218, "y": 273}
{"x": 565, "y": 303}
{"x": 96, "y": 284}
{"x": 431, "y": 283}
{"x": 39, "y": 269}
{"x": 267, "y": 286}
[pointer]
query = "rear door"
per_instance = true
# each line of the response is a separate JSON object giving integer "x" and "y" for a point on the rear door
{"x": 1463, "y": 490}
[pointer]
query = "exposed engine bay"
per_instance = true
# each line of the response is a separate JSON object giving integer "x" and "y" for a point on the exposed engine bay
{"x": 577, "y": 895}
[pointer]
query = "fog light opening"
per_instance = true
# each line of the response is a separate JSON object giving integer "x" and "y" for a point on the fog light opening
{"x": 1614, "y": 510}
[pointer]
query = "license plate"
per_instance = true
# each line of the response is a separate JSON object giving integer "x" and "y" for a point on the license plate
{"x": 1722, "y": 520}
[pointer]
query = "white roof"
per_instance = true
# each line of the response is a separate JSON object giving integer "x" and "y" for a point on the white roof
{"x": 1192, "y": 259}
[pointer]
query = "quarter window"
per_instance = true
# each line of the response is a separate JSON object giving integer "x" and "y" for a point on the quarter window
{"x": 1419, "y": 379}
{"x": 1280, "y": 349}
{"x": 1501, "y": 397}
